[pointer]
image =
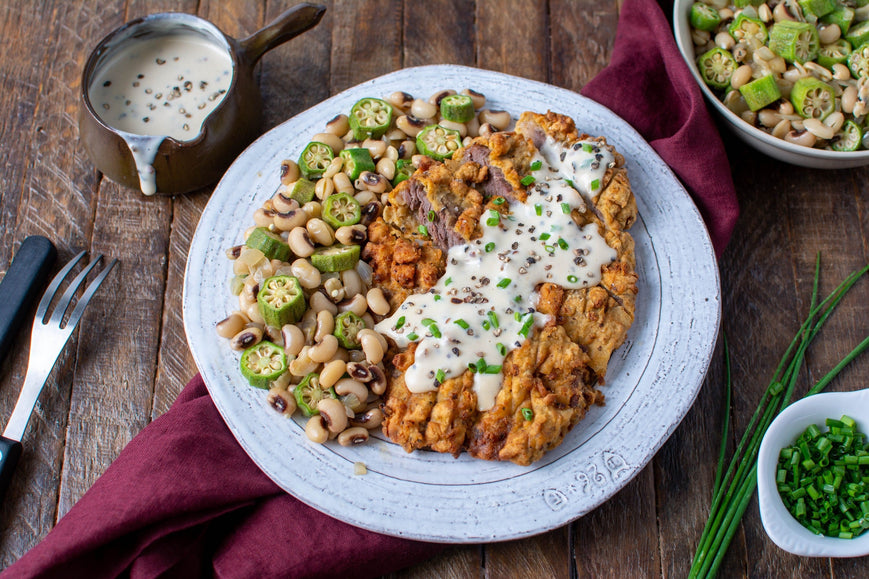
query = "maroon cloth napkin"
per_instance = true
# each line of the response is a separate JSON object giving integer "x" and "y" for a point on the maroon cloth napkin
{"x": 649, "y": 85}
{"x": 184, "y": 500}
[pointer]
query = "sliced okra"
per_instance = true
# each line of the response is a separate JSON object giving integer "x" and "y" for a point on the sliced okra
{"x": 834, "y": 53}
{"x": 858, "y": 61}
{"x": 849, "y": 138}
{"x": 336, "y": 257}
{"x": 438, "y": 142}
{"x": 263, "y": 363}
{"x": 302, "y": 191}
{"x": 813, "y": 98}
{"x": 308, "y": 394}
{"x": 370, "y": 118}
{"x": 794, "y": 41}
{"x": 356, "y": 161}
{"x": 315, "y": 159}
{"x": 458, "y": 108}
{"x": 748, "y": 29}
{"x": 341, "y": 209}
{"x": 858, "y": 35}
{"x": 270, "y": 243}
{"x": 704, "y": 17}
{"x": 842, "y": 16}
{"x": 403, "y": 170}
{"x": 760, "y": 92}
{"x": 817, "y": 7}
{"x": 281, "y": 300}
{"x": 716, "y": 67}
{"x": 347, "y": 328}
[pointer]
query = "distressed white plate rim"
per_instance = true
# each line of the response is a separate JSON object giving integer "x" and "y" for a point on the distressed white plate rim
{"x": 652, "y": 381}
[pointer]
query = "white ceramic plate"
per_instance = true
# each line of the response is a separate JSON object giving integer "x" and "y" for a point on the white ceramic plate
{"x": 652, "y": 381}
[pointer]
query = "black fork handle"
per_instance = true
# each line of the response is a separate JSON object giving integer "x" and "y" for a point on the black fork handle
{"x": 22, "y": 284}
{"x": 10, "y": 451}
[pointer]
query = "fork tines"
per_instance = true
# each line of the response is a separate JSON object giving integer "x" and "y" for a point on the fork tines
{"x": 67, "y": 298}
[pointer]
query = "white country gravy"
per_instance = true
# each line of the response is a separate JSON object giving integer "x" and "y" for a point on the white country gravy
{"x": 485, "y": 304}
{"x": 160, "y": 86}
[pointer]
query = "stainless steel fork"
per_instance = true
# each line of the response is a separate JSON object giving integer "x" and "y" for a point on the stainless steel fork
{"x": 51, "y": 331}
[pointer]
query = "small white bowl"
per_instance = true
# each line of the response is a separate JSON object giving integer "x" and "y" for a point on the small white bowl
{"x": 764, "y": 142}
{"x": 780, "y": 525}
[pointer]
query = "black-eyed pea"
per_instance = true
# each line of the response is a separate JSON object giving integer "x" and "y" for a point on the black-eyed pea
{"x": 282, "y": 202}
{"x": 352, "y": 283}
{"x": 273, "y": 334}
{"x": 325, "y": 325}
{"x": 376, "y": 147}
{"x": 289, "y": 220}
{"x": 371, "y": 346}
{"x": 316, "y": 430}
{"x": 319, "y": 301}
{"x": 478, "y": 98}
{"x": 356, "y": 356}
{"x": 332, "y": 372}
{"x": 353, "y": 392}
{"x": 849, "y": 99}
{"x": 369, "y": 419}
{"x": 254, "y": 314}
{"x": 353, "y": 436}
{"x": 281, "y": 400}
{"x": 320, "y": 231}
{"x": 250, "y": 336}
{"x": 437, "y": 97}
{"x": 377, "y": 385}
{"x": 302, "y": 365}
{"x": 835, "y": 120}
{"x": 498, "y": 119}
{"x": 308, "y": 325}
{"x": 741, "y": 76}
{"x": 368, "y": 319}
{"x": 781, "y": 129}
{"x": 466, "y": 142}
{"x": 841, "y": 72}
{"x": 370, "y": 212}
{"x": 410, "y": 125}
{"x": 264, "y": 217}
{"x": 359, "y": 371}
{"x": 313, "y": 209}
{"x": 462, "y": 128}
{"x": 324, "y": 188}
{"x": 351, "y": 234}
{"x": 781, "y": 13}
{"x": 473, "y": 127}
{"x": 486, "y": 129}
{"x": 371, "y": 181}
{"x": 343, "y": 184}
{"x": 386, "y": 167}
{"x": 289, "y": 172}
{"x": 324, "y": 350}
{"x": 365, "y": 197}
{"x": 357, "y": 304}
{"x": 764, "y": 12}
{"x": 342, "y": 354}
{"x": 300, "y": 242}
{"x": 406, "y": 149}
{"x": 294, "y": 339}
{"x": 231, "y": 325}
{"x": 309, "y": 276}
{"x": 801, "y": 137}
{"x": 377, "y": 301}
{"x": 334, "y": 289}
{"x": 400, "y": 100}
{"x": 423, "y": 110}
{"x": 819, "y": 129}
{"x": 829, "y": 33}
{"x": 334, "y": 168}
{"x": 724, "y": 40}
{"x": 391, "y": 151}
{"x": 339, "y": 125}
{"x": 334, "y": 414}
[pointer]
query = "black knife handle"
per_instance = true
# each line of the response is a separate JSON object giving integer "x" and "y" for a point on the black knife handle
{"x": 22, "y": 284}
{"x": 10, "y": 451}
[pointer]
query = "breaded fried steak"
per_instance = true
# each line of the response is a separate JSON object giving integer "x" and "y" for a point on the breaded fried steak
{"x": 510, "y": 276}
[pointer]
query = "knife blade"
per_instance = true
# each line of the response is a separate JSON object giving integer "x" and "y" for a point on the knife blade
{"x": 22, "y": 284}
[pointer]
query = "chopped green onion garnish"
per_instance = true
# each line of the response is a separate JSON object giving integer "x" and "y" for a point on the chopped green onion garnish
{"x": 423, "y": 230}
{"x": 437, "y": 297}
{"x": 399, "y": 323}
{"x": 504, "y": 282}
{"x": 587, "y": 148}
{"x": 412, "y": 336}
{"x": 440, "y": 376}
{"x": 544, "y": 236}
{"x": 490, "y": 246}
{"x": 572, "y": 278}
{"x": 486, "y": 325}
{"x": 527, "y": 180}
{"x": 527, "y": 414}
{"x": 569, "y": 182}
{"x": 493, "y": 318}
{"x": 536, "y": 165}
{"x": 498, "y": 201}
{"x": 431, "y": 215}
{"x": 502, "y": 349}
{"x": 595, "y": 184}
{"x": 538, "y": 209}
{"x": 526, "y": 327}
{"x": 462, "y": 324}
{"x": 562, "y": 244}
{"x": 494, "y": 218}
{"x": 491, "y": 370}
{"x": 448, "y": 281}
{"x": 565, "y": 208}
{"x": 432, "y": 327}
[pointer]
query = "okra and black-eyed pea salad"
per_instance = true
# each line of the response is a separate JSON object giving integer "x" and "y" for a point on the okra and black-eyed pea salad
{"x": 306, "y": 303}
{"x": 797, "y": 69}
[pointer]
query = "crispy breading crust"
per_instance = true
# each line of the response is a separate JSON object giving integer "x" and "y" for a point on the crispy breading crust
{"x": 556, "y": 370}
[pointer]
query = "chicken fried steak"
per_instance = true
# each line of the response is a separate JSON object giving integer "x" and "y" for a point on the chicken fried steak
{"x": 510, "y": 275}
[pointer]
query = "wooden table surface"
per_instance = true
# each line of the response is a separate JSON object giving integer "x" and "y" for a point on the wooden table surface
{"x": 133, "y": 360}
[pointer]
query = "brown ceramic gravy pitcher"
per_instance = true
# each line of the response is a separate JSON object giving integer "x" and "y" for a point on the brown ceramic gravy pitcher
{"x": 143, "y": 154}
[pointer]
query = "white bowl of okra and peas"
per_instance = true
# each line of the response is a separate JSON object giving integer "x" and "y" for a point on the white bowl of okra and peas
{"x": 789, "y": 77}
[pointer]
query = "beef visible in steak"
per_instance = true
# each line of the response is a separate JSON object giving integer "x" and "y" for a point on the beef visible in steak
{"x": 441, "y": 226}
{"x": 496, "y": 184}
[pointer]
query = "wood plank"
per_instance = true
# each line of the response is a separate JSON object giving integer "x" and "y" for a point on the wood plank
{"x": 439, "y": 32}
{"x": 512, "y": 37}
{"x": 583, "y": 34}
{"x": 366, "y": 41}
{"x": 455, "y": 562}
